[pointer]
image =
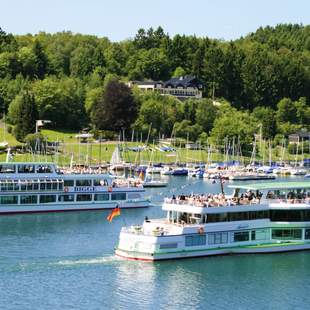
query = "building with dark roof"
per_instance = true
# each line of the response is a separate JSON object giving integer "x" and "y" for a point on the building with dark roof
{"x": 181, "y": 87}
{"x": 299, "y": 136}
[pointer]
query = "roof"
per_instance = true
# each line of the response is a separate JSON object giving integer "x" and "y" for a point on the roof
{"x": 185, "y": 81}
{"x": 147, "y": 82}
{"x": 301, "y": 134}
{"x": 273, "y": 185}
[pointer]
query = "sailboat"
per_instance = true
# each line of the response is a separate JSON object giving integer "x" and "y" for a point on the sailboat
{"x": 116, "y": 162}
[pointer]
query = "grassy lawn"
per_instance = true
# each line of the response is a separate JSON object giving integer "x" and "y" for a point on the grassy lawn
{"x": 95, "y": 153}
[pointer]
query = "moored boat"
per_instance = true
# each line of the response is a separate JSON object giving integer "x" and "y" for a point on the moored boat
{"x": 41, "y": 187}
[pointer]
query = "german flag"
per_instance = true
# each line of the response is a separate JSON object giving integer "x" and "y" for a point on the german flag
{"x": 115, "y": 212}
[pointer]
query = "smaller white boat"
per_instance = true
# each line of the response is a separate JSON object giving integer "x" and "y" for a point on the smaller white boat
{"x": 153, "y": 170}
{"x": 298, "y": 171}
{"x": 154, "y": 183}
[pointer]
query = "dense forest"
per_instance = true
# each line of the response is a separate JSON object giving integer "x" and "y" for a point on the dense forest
{"x": 261, "y": 81}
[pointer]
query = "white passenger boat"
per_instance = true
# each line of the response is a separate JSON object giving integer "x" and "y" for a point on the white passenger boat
{"x": 154, "y": 183}
{"x": 251, "y": 176}
{"x": 256, "y": 218}
{"x": 40, "y": 187}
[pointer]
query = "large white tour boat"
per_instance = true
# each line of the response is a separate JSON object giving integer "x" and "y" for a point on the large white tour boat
{"x": 40, "y": 187}
{"x": 256, "y": 218}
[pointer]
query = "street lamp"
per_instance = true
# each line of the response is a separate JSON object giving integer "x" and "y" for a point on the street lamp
{"x": 40, "y": 123}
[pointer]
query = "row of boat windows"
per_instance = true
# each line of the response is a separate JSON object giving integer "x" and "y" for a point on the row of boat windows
{"x": 273, "y": 215}
{"x": 27, "y": 168}
{"x": 31, "y": 185}
{"x": 243, "y": 236}
{"x": 34, "y": 199}
{"x": 89, "y": 182}
{"x": 46, "y": 184}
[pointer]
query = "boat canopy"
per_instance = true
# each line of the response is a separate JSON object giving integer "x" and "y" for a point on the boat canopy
{"x": 272, "y": 186}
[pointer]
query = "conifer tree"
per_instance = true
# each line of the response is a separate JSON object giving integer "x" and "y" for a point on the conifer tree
{"x": 26, "y": 116}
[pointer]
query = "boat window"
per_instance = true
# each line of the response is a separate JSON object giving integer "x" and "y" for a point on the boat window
{"x": 25, "y": 168}
{"x": 28, "y": 199}
{"x": 60, "y": 184}
{"x": 66, "y": 197}
{"x": 83, "y": 197}
{"x": 10, "y": 186}
{"x": 8, "y": 200}
{"x": 54, "y": 184}
{"x": 259, "y": 234}
{"x": 290, "y": 215}
{"x": 118, "y": 196}
{"x": 101, "y": 182}
{"x": 217, "y": 217}
{"x": 47, "y": 198}
{"x": 23, "y": 185}
{"x": 102, "y": 197}
{"x": 83, "y": 182}
{"x": 307, "y": 233}
{"x": 241, "y": 236}
{"x": 286, "y": 234}
{"x": 195, "y": 240}
{"x": 134, "y": 196}
{"x": 29, "y": 185}
{"x": 36, "y": 185}
{"x": 68, "y": 183}
{"x": 49, "y": 185}
{"x": 44, "y": 169}
{"x": 218, "y": 238}
{"x": 7, "y": 168}
{"x": 15, "y": 185}
{"x": 168, "y": 245}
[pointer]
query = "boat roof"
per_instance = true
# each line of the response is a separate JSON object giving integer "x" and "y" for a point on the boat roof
{"x": 272, "y": 185}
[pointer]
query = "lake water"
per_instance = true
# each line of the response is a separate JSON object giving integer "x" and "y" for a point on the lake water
{"x": 66, "y": 261}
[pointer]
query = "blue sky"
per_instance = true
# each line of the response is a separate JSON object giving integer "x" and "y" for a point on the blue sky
{"x": 118, "y": 20}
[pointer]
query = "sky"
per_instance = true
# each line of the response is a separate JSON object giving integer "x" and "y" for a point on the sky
{"x": 120, "y": 19}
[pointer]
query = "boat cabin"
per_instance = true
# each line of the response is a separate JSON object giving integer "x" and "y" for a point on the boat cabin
{"x": 290, "y": 192}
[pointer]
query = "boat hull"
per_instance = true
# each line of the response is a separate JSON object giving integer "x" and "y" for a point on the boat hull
{"x": 70, "y": 207}
{"x": 259, "y": 249}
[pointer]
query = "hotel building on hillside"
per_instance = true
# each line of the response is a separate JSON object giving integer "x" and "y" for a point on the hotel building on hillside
{"x": 181, "y": 87}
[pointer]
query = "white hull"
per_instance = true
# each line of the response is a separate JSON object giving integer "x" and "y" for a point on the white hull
{"x": 274, "y": 248}
{"x": 71, "y": 207}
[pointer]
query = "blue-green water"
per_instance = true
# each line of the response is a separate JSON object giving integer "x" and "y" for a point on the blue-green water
{"x": 65, "y": 261}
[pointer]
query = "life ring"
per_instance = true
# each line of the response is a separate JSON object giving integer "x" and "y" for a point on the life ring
{"x": 201, "y": 230}
{"x": 110, "y": 189}
{"x": 66, "y": 189}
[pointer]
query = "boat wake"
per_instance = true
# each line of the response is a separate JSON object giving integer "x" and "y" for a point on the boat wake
{"x": 89, "y": 261}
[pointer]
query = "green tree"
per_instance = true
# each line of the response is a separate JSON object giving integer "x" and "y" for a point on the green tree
{"x": 286, "y": 111}
{"x": 41, "y": 63}
{"x": 235, "y": 125}
{"x": 25, "y": 115}
{"x": 179, "y": 71}
{"x": 266, "y": 117}
{"x": 117, "y": 108}
{"x": 206, "y": 114}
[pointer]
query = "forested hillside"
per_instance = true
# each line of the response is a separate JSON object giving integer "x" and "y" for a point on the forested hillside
{"x": 263, "y": 79}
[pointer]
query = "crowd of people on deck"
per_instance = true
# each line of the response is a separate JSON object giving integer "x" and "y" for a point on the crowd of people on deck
{"x": 83, "y": 170}
{"x": 217, "y": 200}
{"x": 249, "y": 197}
